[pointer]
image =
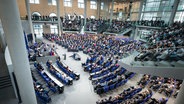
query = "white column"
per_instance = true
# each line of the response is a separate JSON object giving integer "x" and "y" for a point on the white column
{"x": 112, "y": 8}
{"x": 58, "y": 16}
{"x": 15, "y": 40}
{"x": 173, "y": 12}
{"x": 180, "y": 96}
{"x": 85, "y": 12}
{"x": 140, "y": 9}
{"x": 29, "y": 19}
{"x": 107, "y": 9}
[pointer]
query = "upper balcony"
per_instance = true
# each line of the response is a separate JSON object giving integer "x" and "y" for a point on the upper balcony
{"x": 162, "y": 68}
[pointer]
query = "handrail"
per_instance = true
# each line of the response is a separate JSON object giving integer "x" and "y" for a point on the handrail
{"x": 164, "y": 48}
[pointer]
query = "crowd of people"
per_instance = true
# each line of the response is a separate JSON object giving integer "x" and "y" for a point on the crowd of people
{"x": 69, "y": 23}
{"x": 40, "y": 91}
{"x": 106, "y": 74}
{"x": 72, "y": 23}
{"x": 152, "y": 84}
{"x": 40, "y": 49}
{"x": 131, "y": 95}
{"x": 166, "y": 44}
{"x": 51, "y": 85}
{"x": 126, "y": 94}
{"x": 105, "y": 51}
{"x": 168, "y": 86}
{"x": 92, "y": 44}
{"x": 94, "y": 24}
{"x": 67, "y": 70}
{"x": 118, "y": 26}
{"x": 153, "y": 23}
{"x": 65, "y": 79}
{"x": 44, "y": 18}
{"x": 75, "y": 22}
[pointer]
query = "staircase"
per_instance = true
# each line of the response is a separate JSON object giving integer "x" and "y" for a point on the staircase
{"x": 103, "y": 28}
{"x": 5, "y": 82}
{"x": 126, "y": 31}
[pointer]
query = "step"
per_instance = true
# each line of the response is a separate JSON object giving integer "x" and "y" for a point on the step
{"x": 5, "y": 86}
{"x": 3, "y": 83}
{"x": 5, "y": 80}
{"x": 4, "y": 77}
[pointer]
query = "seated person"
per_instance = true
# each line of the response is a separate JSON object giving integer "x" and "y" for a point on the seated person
{"x": 58, "y": 74}
{"x": 51, "y": 84}
{"x": 169, "y": 90}
{"x": 153, "y": 101}
{"x": 176, "y": 93}
{"x": 39, "y": 54}
{"x": 156, "y": 86}
{"x": 52, "y": 68}
{"x": 58, "y": 58}
{"x": 98, "y": 86}
{"x": 39, "y": 67}
{"x": 163, "y": 100}
{"x": 49, "y": 63}
{"x": 52, "y": 52}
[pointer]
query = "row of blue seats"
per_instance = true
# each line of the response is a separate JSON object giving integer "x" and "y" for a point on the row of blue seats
{"x": 107, "y": 88}
{"x": 116, "y": 84}
{"x": 40, "y": 92}
{"x": 99, "y": 74}
{"x": 89, "y": 67}
{"x": 110, "y": 68}
{"x": 48, "y": 80}
{"x": 43, "y": 96}
{"x": 109, "y": 77}
{"x": 99, "y": 62}
{"x": 131, "y": 95}
{"x": 103, "y": 73}
{"x": 95, "y": 69}
{"x": 68, "y": 46}
{"x": 70, "y": 73}
{"x": 126, "y": 94}
{"x": 92, "y": 59}
{"x": 145, "y": 99}
{"x": 58, "y": 75}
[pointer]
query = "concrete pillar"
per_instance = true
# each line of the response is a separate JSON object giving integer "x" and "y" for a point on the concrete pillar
{"x": 112, "y": 8}
{"x": 2, "y": 41}
{"x": 106, "y": 9}
{"x": 29, "y": 19}
{"x": 99, "y": 8}
{"x": 130, "y": 10}
{"x": 173, "y": 12}
{"x": 15, "y": 40}
{"x": 59, "y": 20}
{"x": 135, "y": 35}
{"x": 85, "y": 12}
{"x": 180, "y": 96}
